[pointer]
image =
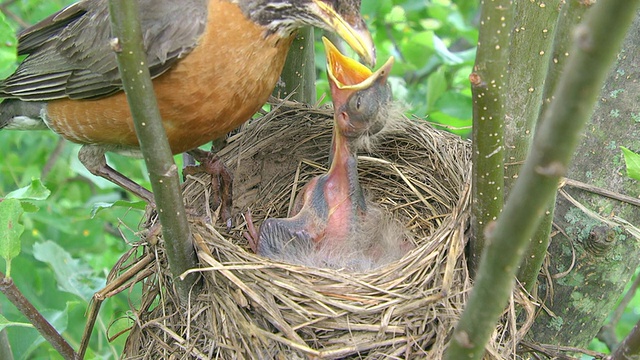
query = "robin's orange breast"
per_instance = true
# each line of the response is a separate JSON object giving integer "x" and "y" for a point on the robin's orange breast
{"x": 214, "y": 89}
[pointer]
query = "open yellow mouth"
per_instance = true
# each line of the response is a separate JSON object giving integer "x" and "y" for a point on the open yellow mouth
{"x": 348, "y": 73}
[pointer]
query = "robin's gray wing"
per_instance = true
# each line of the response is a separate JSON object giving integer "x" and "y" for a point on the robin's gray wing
{"x": 69, "y": 55}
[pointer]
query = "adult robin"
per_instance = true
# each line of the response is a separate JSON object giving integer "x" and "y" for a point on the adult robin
{"x": 213, "y": 63}
{"x": 332, "y": 223}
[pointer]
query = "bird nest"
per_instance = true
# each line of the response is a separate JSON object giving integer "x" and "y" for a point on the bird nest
{"x": 255, "y": 308}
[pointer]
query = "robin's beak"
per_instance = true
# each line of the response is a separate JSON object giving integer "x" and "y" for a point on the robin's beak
{"x": 353, "y": 30}
{"x": 346, "y": 76}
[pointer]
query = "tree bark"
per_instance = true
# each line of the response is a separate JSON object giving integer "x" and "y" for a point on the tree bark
{"x": 591, "y": 266}
{"x": 531, "y": 42}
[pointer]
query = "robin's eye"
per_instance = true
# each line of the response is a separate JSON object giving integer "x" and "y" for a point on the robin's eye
{"x": 358, "y": 103}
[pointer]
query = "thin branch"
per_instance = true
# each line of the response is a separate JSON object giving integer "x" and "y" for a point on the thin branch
{"x": 630, "y": 346}
{"x": 597, "y": 42}
{"x": 607, "y": 333}
{"x": 488, "y": 85}
{"x": 570, "y": 16}
{"x": 4, "y": 7}
{"x": 47, "y": 331}
{"x": 600, "y": 191}
{"x": 53, "y": 158}
{"x": 532, "y": 39}
{"x": 555, "y": 351}
{"x": 299, "y": 74}
{"x": 617, "y": 314}
{"x": 163, "y": 172}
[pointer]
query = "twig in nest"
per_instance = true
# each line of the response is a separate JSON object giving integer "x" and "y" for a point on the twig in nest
{"x": 137, "y": 271}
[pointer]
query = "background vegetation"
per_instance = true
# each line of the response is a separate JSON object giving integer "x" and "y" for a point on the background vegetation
{"x": 73, "y": 237}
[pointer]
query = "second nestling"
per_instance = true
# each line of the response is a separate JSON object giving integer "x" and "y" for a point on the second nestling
{"x": 333, "y": 225}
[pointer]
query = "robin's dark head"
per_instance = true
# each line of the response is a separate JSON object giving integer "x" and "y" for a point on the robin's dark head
{"x": 284, "y": 17}
{"x": 361, "y": 98}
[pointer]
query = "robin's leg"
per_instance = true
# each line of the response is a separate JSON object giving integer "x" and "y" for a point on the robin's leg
{"x": 92, "y": 157}
{"x": 252, "y": 235}
{"x": 221, "y": 180}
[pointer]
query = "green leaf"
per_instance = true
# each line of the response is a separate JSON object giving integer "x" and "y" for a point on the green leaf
{"x": 632, "y": 160}
{"x": 452, "y": 124}
{"x": 10, "y": 230}
{"x": 436, "y": 86}
{"x": 447, "y": 56}
{"x": 397, "y": 15}
{"x": 34, "y": 191}
{"x": 97, "y": 207}
{"x": 73, "y": 276}
{"x": 456, "y": 105}
{"x": 8, "y": 43}
{"x": 419, "y": 48}
{"x": 371, "y": 9}
{"x": 58, "y": 319}
{"x": 430, "y": 24}
{"x": 29, "y": 207}
{"x": 4, "y": 323}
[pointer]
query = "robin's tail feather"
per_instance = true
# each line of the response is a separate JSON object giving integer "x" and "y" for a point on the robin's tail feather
{"x": 21, "y": 115}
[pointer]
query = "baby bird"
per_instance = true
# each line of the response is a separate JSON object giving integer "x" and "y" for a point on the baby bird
{"x": 333, "y": 225}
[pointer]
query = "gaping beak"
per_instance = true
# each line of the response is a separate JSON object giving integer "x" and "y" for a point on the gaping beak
{"x": 347, "y": 76}
{"x": 354, "y": 32}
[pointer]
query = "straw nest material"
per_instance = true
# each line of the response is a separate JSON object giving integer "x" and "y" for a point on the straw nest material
{"x": 254, "y": 308}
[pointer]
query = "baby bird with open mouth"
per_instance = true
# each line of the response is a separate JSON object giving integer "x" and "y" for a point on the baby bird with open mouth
{"x": 333, "y": 225}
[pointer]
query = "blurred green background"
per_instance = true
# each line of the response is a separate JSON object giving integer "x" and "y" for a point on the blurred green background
{"x": 68, "y": 247}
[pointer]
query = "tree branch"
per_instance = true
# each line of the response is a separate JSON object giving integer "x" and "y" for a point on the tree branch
{"x": 594, "y": 238}
{"x": 570, "y": 15}
{"x": 595, "y": 46}
{"x": 163, "y": 172}
{"x": 47, "y": 331}
{"x": 531, "y": 43}
{"x": 488, "y": 85}
{"x": 629, "y": 347}
{"x": 607, "y": 333}
{"x": 299, "y": 73}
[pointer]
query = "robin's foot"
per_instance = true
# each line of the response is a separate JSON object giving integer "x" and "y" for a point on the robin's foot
{"x": 92, "y": 157}
{"x": 221, "y": 181}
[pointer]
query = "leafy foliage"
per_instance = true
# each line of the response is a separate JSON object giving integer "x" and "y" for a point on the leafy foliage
{"x": 67, "y": 250}
{"x": 10, "y": 231}
{"x": 72, "y": 237}
{"x": 7, "y": 47}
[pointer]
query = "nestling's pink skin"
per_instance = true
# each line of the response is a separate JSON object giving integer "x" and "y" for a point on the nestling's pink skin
{"x": 328, "y": 228}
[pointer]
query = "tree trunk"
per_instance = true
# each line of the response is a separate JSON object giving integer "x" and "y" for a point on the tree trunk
{"x": 592, "y": 265}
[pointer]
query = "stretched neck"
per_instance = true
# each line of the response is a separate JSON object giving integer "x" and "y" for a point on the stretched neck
{"x": 344, "y": 168}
